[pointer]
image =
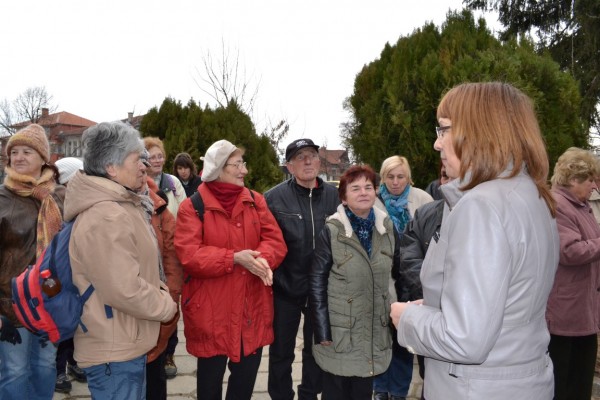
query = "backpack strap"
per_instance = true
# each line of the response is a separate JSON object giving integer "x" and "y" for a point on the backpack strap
{"x": 198, "y": 204}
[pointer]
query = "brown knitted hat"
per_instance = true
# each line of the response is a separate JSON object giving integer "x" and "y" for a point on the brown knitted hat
{"x": 33, "y": 136}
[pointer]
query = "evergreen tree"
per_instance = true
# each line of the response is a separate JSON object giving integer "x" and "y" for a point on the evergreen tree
{"x": 192, "y": 129}
{"x": 395, "y": 98}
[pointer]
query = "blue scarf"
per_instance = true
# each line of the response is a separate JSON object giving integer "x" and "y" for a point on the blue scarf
{"x": 363, "y": 227}
{"x": 397, "y": 207}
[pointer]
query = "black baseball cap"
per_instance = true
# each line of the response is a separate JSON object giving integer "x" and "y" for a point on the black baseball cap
{"x": 297, "y": 145}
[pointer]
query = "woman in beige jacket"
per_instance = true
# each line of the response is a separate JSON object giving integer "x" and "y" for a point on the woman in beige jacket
{"x": 113, "y": 248}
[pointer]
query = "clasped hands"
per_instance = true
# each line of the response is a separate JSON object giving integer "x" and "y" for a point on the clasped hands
{"x": 251, "y": 260}
{"x": 399, "y": 308}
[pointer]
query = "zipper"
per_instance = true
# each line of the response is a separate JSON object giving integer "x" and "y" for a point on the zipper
{"x": 312, "y": 217}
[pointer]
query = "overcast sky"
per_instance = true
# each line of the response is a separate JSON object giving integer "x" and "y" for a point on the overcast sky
{"x": 103, "y": 59}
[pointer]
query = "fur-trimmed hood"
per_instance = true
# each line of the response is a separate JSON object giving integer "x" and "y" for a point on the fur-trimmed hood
{"x": 341, "y": 216}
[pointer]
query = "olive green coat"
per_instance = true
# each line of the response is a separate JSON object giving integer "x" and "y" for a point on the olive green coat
{"x": 349, "y": 298}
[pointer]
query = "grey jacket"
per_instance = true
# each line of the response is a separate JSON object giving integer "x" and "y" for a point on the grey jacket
{"x": 485, "y": 282}
{"x": 349, "y": 298}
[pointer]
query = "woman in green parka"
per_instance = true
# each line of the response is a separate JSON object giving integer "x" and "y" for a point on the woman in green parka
{"x": 349, "y": 296}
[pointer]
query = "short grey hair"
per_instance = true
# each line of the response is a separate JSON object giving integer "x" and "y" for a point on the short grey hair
{"x": 109, "y": 143}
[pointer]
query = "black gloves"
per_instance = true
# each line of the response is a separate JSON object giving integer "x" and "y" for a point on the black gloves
{"x": 8, "y": 332}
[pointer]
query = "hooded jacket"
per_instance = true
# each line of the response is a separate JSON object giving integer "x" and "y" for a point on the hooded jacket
{"x": 486, "y": 281}
{"x": 349, "y": 297}
{"x": 223, "y": 304}
{"x": 113, "y": 247}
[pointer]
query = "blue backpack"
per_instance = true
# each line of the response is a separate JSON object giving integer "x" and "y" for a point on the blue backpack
{"x": 56, "y": 318}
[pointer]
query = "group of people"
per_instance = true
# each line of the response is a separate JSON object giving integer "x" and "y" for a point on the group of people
{"x": 492, "y": 280}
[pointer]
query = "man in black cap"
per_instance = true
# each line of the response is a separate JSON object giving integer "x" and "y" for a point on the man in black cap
{"x": 300, "y": 206}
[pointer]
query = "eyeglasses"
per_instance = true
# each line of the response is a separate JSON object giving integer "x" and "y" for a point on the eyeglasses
{"x": 238, "y": 165}
{"x": 440, "y": 131}
{"x": 158, "y": 157}
{"x": 306, "y": 156}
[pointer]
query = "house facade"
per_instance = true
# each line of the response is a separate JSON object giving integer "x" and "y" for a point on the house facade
{"x": 333, "y": 164}
{"x": 64, "y": 131}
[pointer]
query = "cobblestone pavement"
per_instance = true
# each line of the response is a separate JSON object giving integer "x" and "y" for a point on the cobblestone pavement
{"x": 183, "y": 386}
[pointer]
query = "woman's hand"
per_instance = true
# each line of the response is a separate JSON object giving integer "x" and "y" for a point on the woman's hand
{"x": 399, "y": 308}
{"x": 250, "y": 260}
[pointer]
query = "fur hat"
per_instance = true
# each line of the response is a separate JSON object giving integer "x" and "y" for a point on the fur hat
{"x": 67, "y": 167}
{"x": 33, "y": 136}
{"x": 215, "y": 158}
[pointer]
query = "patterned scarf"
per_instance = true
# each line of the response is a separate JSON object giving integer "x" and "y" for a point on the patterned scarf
{"x": 363, "y": 227}
{"x": 397, "y": 207}
{"x": 49, "y": 218}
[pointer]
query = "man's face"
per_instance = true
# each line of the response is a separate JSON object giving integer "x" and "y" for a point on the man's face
{"x": 305, "y": 165}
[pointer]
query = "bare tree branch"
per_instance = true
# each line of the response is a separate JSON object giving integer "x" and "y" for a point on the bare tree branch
{"x": 224, "y": 81}
{"x": 27, "y": 107}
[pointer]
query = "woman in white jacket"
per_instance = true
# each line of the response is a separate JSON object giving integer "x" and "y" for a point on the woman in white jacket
{"x": 486, "y": 278}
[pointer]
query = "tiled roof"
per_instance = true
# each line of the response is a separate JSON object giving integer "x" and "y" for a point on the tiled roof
{"x": 59, "y": 118}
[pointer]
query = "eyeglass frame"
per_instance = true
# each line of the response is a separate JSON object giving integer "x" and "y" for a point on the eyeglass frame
{"x": 440, "y": 131}
{"x": 238, "y": 165}
{"x": 156, "y": 157}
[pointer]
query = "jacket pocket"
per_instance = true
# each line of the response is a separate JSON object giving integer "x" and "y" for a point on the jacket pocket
{"x": 197, "y": 312}
{"x": 383, "y": 333}
{"x": 341, "y": 331}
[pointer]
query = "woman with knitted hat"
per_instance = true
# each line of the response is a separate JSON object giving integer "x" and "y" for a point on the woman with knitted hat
{"x": 228, "y": 257}
{"x": 30, "y": 215}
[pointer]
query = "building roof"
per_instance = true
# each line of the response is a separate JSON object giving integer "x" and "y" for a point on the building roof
{"x": 332, "y": 156}
{"x": 60, "y": 118}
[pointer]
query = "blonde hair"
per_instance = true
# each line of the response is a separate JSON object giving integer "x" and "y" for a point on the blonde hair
{"x": 493, "y": 126}
{"x": 575, "y": 163}
{"x": 392, "y": 162}
{"x": 151, "y": 141}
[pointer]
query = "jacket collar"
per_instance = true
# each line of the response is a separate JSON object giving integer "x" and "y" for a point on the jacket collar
{"x": 341, "y": 216}
{"x": 564, "y": 192}
{"x": 306, "y": 191}
{"x": 452, "y": 193}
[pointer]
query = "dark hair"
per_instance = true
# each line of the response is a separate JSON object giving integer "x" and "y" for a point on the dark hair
{"x": 353, "y": 173}
{"x": 184, "y": 160}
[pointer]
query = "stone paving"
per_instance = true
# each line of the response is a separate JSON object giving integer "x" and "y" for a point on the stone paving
{"x": 183, "y": 386}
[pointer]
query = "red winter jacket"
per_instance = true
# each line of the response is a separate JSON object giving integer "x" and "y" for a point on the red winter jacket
{"x": 224, "y": 304}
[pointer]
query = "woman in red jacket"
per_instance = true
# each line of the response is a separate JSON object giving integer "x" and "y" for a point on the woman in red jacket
{"x": 228, "y": 260}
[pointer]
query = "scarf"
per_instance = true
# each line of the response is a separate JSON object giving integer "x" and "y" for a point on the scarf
{"x": 397, "y": 207}
{"x": 148, "y": 206}
{"x": 363, "y": 227}
{"x": 226, "y": 194}
{"x": 49, "y": 218}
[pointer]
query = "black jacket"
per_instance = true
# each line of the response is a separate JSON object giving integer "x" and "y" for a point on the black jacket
{"x": 191, "y": 186}
{"x": 301, "y": 214}
{"x": 418, "y": 234}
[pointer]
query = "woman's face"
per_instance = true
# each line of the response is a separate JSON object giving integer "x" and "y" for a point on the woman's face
{"x": 234, "y": 171}
{"x": 184, "y": 172}
{"x": 360, "y": 197}
{"x": 443, "y": 144}
{"x": 157, "y": 161}
{"x": 582, "y": 190}
{"x": 131, "y": 174}
{"x": 26, "y": 161}
{"x": 396, "y": 180}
